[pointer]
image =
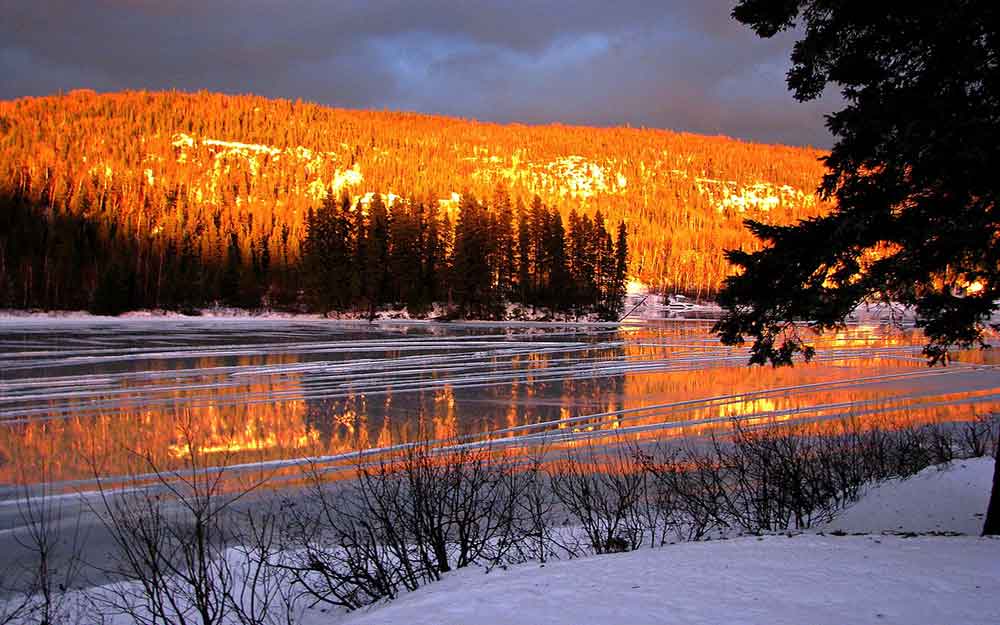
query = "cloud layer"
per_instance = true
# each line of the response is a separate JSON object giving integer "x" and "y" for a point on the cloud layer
{"x": 683, "y": 65}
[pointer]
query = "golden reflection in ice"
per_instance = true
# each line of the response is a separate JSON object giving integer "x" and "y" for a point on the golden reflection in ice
{"x": 286, "y": 421}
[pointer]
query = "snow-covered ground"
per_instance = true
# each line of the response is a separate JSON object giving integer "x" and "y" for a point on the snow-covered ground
{"x": 814, "y": 578}
{"x": 952, "y": 498}
{"x": 804, "y": 579}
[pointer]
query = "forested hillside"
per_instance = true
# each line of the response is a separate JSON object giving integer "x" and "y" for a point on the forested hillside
{"x": 140, "y": 199}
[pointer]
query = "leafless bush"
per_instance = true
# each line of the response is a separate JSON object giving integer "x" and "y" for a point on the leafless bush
{"x": 406, "y": 519}
{"x": 38, "y": 582}
{"x": 53, "y": 543}
{"x": 604, "y": 491}
{"x": 773, "y": 479}
{"x": 403, "y": 522}
{"x": 689, "y": 489}
{"x": 170, "y": 531}
{"x": 977, "y": 438}
{"x": 344, "y": 548}
{"x": 15, "y": 602}
{"x": 534, "y": 512}
{"x": 263, "y": 593}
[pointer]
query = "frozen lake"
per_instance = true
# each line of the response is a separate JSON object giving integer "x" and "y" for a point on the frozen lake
{"x": 80, "y": 395}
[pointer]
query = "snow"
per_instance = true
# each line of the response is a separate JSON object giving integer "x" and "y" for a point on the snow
{"x": 774, "y": 580}
{"x": 642, "y": 305}
{"x": 815, "y": 578}
{"x": 237, "y": 146}
{"x": 959, "y": 492}
{"x": 514, "y": 312}
{"x": 763, "y": 196}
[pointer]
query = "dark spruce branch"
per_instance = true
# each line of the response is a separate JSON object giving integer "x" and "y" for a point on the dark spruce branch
{"x": 912, "y": 174}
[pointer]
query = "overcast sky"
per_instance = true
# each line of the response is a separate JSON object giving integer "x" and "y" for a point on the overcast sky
{"x": 678, "y": 64}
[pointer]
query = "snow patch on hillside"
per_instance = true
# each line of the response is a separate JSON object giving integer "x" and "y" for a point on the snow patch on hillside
{"x": 320, "y": 166}
{"x": 728, "y": 195}
{"x": 571, "y": 176}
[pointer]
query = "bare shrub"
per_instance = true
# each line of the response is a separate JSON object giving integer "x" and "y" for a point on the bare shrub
{"x": 405, "y": 520}
{"x": 170, "y": 531}
{"x": 604, "y": 492}
{"x": 977, "y": 438}
{"x": 345, "y": 549}
{"x": 681, "y": 491}
{"x": 534, "y": 513}
{"x": 38, "y": 582}
{"x": 263, "y": 592}
{"x": 779, "y": 478}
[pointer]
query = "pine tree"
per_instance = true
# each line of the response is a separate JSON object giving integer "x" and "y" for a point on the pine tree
{"x": 407, "y": 256}
{"x": 573, "y": 258}
{"x": 434, "y": 253}
{"x": 377, "y": 255}
{"x": 620, "y": 281}
{"x": 559, "y": 281}
{"x": 359, "y": 273}
{"x": 231, "y": 277}
{"x": 525, "y": 288}
{"x": 328, "y": 256}
{"x": 504, "y": 244}
{"x": 471, "y": 270}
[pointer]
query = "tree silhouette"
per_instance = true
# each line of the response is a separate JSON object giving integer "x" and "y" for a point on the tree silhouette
{"x": 913, "y": 174}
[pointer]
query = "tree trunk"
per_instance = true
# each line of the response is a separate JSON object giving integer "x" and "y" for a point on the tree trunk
{"x": 992, "y": 525}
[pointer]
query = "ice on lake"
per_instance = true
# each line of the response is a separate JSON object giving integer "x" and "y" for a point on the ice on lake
{"x": 85, "y": 394}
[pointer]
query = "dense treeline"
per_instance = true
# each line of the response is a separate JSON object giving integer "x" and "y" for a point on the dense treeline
{"x": 356, "y": 257}
{"x": 367, "y": 257}
{"x": 171, "y": 199}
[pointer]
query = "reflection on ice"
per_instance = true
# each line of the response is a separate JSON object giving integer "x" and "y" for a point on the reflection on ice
{"x": 78, "y": 392}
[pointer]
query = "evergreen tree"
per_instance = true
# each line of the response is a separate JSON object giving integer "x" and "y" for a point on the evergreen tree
{"x": 538, "y": 225}
{"x": 359, "y": 273}
{"x": 913, "y": 171}
{"x": 619, "y": 283}
{"x": 114, "y": 292}
{"x": 447, "y": 269}
{"x": 573, "y": 258}
{"x": 524, "y": 261}
{"x": 377, "y": 255}
{"x": 406, "y": 254}
{"x": 434, "y": 252}
{"x": 471, "y": 270}
{"x": 913, "y": 174}
{"x": 232, "y": 275}
{"x": 327, "y": 256}
{"x": 504, "y": 245}
{"x": 558, "y": 286}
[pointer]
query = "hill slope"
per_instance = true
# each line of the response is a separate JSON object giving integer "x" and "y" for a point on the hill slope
{"x": 189, "y": 176}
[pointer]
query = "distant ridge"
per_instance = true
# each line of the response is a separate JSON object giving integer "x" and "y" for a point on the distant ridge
{"x": 175, "y": 169}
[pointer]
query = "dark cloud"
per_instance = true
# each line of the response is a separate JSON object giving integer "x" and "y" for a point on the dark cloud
{"x": 685, "y": 65}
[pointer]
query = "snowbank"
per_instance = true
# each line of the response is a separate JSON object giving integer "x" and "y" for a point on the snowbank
{"x": 949, "y": 498}
{"x": 814, "y": 578}
{"x": 803, "y": 579}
